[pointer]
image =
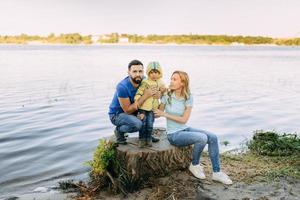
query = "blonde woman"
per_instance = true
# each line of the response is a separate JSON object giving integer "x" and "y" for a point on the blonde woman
{"x": 176, "y": 107}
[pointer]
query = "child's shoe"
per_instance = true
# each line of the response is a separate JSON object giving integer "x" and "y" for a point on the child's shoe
{"x": 142, "y": 143}
{"x": 149, "y": 143}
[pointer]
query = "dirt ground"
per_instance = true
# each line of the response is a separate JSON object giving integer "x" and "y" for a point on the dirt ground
{"x": 253, "y": 178}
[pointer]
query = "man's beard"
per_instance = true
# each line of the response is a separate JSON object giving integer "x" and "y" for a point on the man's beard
{"x": 136, "y": 80}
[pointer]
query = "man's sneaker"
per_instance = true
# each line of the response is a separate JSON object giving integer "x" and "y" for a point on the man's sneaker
{"x": 120, "y": 137}
{"x": 221, "y": 177}
{"x": 197, "y": 171}
{"x": 154, "y": 139}
{"x": 121, "y": 142}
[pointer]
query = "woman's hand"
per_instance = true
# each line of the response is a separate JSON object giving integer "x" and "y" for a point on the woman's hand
{"x": 159, "y": 113}
{"x": 162, "y": 89}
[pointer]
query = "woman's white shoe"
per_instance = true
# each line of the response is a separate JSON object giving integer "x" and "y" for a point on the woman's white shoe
{"x": 197, "y": 171}
{"x": 221, "y": 177}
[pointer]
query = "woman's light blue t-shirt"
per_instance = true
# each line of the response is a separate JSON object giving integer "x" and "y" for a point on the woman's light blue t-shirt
{"x": 176, "y": 107}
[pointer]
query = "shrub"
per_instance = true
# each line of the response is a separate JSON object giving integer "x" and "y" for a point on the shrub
{"x": 271, "y": 143}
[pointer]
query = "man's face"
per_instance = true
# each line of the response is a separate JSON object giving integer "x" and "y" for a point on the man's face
{"x": 136, "y": 73}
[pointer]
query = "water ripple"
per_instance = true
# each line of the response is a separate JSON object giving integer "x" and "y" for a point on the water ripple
{"x": 54, "y": 101}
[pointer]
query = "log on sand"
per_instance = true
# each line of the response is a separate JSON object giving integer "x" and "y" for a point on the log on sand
{"x": 156, "y": 161}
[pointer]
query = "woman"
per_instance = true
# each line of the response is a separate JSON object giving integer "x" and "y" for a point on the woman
{"x": 176, "y": 107}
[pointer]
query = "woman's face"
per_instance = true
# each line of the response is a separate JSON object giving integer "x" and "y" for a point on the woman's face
{"x": 175, "y": 82}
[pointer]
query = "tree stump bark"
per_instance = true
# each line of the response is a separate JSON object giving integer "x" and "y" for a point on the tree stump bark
{"x": 156, "y": 161}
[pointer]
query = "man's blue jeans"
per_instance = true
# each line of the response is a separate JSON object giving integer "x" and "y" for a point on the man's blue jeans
{"x": 199, "y": 138}
{"x": 125, "y": 123}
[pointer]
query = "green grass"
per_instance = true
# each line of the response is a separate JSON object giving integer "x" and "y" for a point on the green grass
{"x": 270, "y": 156}
{"x": 271, "y": 143}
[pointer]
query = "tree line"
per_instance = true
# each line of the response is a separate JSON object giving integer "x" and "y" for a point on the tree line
{"x": 76, "y": 38}
{"x": 73, "y": 38}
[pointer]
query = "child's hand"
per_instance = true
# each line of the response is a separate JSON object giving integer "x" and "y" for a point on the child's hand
{"x": 154, "y": 87}
{"x": 157, "y": 95}
{"x": 162, "y": 89}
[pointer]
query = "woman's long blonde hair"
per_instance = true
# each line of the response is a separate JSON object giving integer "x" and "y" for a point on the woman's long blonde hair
{"x": 185, "y": 92}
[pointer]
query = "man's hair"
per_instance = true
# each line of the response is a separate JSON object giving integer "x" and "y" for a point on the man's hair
{"x": 134, "y": 62}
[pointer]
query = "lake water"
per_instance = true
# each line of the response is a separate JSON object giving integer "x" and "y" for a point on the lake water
{"x": 54, "y": 101}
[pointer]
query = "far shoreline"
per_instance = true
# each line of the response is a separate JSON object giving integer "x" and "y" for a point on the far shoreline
{"x": 146, "y": 44}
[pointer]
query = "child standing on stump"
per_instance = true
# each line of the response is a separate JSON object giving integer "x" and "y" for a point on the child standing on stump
{"x": 145, "y": 111}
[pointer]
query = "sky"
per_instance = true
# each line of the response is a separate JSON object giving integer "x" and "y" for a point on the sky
{"x": 275, "y": 18}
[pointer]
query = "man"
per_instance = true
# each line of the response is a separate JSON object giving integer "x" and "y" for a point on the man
{"x": 123, "y": 109}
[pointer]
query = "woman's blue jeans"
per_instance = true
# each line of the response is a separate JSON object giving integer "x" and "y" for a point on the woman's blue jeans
{"x": 199, "y": 138}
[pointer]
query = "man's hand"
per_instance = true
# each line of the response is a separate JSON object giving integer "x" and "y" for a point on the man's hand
{"x": 149, "y": 92}
{"x": 157, "y": 95}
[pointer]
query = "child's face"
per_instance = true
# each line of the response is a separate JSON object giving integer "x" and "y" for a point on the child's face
{"x": 154, "y": 75}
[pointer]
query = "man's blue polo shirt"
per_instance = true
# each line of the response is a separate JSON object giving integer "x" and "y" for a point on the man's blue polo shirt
{"x": 125, "y": 89}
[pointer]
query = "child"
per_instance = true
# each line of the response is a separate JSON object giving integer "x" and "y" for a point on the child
{"x": 145, "y": 112}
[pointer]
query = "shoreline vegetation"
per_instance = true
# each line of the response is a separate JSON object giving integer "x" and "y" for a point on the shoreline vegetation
{"x": 131, "y": 39}
{"x": 265, "y": 167}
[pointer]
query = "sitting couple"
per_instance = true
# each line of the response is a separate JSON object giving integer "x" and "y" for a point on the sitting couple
{"x": 135, "y": 103}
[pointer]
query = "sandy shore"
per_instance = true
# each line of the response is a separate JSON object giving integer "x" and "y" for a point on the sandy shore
{"x": 247, "y": 174}
{"x": 182, "y": 185}
{"x": 55, "y": 195}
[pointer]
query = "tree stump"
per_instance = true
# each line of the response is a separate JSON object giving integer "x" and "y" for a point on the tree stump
{"x": 156, "y": 161}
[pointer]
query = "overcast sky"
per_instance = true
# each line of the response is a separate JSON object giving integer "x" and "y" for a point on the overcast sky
{"x": 277, "y": 18}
